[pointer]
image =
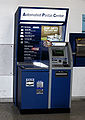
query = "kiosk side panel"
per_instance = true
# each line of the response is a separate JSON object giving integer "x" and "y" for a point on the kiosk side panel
{"x": 15, "y": 57}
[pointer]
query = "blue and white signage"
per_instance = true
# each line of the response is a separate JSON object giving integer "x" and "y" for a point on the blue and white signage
{"x": 83, "y": 23}
{"x": 43, "y": 14}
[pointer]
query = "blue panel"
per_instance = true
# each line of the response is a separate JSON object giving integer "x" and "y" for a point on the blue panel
{"x": 77, "y": 61}
{"x": 74, "y": 60}
{"x": 80, "y": 61}
{"x": 60, "y": 97}
{"x": 72, "y": 40}
{"x": 29, "y": 98}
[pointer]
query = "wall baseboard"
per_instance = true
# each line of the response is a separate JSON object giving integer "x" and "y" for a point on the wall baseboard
{"x": 6, "y": 99}
{"x": 75, "y": 98}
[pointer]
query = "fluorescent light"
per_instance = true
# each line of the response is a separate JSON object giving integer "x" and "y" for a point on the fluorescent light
{"x": 41, "y": 23}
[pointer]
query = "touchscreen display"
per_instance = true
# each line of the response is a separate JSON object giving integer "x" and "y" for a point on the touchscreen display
{"x": 57, "y": 52}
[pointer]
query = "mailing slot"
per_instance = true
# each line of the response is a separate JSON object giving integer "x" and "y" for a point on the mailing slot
{"x": 61, "y": 73}
{"x": 80, "y": 47}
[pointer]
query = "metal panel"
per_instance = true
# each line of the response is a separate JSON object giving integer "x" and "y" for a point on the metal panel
{"x": 78, "y": 84}
{"x": 6, "y": 86}
{"x": 6, "y": 28}
{"x": 6, "y": 59}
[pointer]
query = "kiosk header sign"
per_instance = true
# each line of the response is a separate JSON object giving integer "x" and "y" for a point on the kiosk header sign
{"x": 43, "y": 14}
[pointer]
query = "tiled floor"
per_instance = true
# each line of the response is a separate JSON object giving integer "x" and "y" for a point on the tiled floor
{"x": 9, "y": 112}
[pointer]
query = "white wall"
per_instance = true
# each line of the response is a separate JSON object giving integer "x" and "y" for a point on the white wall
{"x": 7, "y": 10}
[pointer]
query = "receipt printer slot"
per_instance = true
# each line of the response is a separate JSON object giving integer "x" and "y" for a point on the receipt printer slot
{"x": 61, "y": 73}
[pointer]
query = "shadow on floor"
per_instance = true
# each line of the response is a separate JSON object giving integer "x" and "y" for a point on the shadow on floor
{"x": 9, "y": 112}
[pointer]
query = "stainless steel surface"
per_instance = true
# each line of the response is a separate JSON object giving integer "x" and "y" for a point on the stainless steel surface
{"x": 59, "y": 59}
{"x": 71, "y": 87}
{"x": 6, "y": 59}
{"x": 71, "y": 62}
{"x": 6, "y": 86}
{"x": 50, "y": 80}
{"x": 6, "y": 25}
{"x": 70, "y": 55}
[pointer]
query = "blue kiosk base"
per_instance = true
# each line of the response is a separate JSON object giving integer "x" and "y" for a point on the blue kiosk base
{"x": 45, "y": 111}
{"x": 33, "y": 91}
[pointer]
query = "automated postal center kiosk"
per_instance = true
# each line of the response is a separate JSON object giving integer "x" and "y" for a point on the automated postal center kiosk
{"x": 42, "y": 60}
